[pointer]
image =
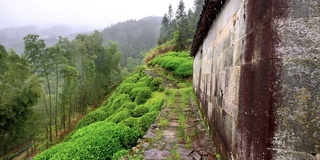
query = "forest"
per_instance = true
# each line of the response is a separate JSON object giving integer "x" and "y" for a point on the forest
{"x": 46, "y": 90}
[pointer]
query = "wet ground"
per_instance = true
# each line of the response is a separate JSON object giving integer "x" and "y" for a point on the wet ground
{"x": 178, "y": 133}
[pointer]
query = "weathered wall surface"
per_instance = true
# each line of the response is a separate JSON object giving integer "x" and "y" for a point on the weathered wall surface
{"x": 257, "y": 75}
{"x": 297, "y": 129}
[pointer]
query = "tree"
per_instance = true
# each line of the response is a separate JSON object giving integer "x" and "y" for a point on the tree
{"x": 182, "y": 33}
{"x": 198, "y": 5}
{"x": 170, "y": 13}
{"x": 70, "y": 77}
{"x": 19, "y": 91}
{"x": 165, "y": 30}
{"x": 42, "y": 63}
{"x": 56, "y": 52}
{"x": 180, "y": 13}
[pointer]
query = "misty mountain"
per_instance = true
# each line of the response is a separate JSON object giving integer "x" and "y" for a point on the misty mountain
{"x": 134, "y": 36}
{"x": 13, "y": 37}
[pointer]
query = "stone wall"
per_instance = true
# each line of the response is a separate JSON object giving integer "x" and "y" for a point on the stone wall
{"x": 257, "y": 76}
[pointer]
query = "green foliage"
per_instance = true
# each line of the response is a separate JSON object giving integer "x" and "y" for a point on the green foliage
{"x": 19, "y": 92}
{"x": 140, "y": 70}
{"x": 146, "y": 79}
{"x": 185, "y": 69}
{"x": 119, "y": 154}
{"x": 94, "y": 116}
{"x": 100, "y": 140}
{"x": 129, "y": 105}
{"x": 143, "y": 96}
{"x": 130, "y": 122}
{"x": 116, "y": 103}
{"x": 125, "y": 88}
{"x": 180, "y": 28}
{"x": 156, "y": 83}
{"x": 134, "y": 92}
{"x": 140, "y": 110}
{"x": 141, "y": 124}
{"x": 179, "y": 62}
{"x": 157, "y": 106}
{"x": 130, "y": 80}
{"x": 117, "y": 117}
{"x": 146, "y": 120}
{"x": 140, "y": 84}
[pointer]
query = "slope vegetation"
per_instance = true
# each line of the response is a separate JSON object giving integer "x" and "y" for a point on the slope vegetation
{"x": 111, "y": 130}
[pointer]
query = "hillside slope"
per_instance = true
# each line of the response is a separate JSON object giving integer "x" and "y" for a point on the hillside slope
{"x": 134, "y": 36}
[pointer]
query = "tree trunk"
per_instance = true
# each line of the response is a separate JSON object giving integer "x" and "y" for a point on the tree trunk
{"x": 56, "y": 109}
{"x": 2, "y": 136}
{"x": 50, "y": 108}
{"x": 2, "y": 91}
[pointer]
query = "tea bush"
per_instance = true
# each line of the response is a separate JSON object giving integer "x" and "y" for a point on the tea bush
{"x": 117, "y": 117}
{"x": 134, "y": 92}
{"x": 119, "y": 154}
{"x": 180, "y": 63}
{"x": 100, "y": 140}
{"x": 130, "y": 79}
{"x": 143, "y": 96}
{"x": 185, "y": 69}
{"x": 139, "y": 111}
{"x": 129, "y": 105}
{"x": 94, "y": 116}
{"x": 156, "y": 83}
{"x": 140, "y": 84}
{"x": 146, "y": 79}
{"x": 157, "y": 106}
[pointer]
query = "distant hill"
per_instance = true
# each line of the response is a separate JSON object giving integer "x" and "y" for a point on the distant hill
{"x": 134, "y": 36}
{"x": 13, "y": 37}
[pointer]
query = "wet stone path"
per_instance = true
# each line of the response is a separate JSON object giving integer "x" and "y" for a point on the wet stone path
{"x": 178, "y": 133}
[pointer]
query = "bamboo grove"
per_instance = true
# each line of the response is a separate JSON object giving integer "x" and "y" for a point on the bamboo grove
{"x": 44, "y": 88}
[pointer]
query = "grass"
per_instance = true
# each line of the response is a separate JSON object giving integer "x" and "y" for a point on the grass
{"x": 174, "y": 154}
{"x": 164, "y": 123}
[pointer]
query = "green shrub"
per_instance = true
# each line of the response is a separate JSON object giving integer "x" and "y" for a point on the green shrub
{"x": 94, "y": 116}
{"x": 119, "y": 154}
{"x": 173, "y": 54}
{"x": 157, "y": 106}
{"x": 146, "y": 79}
{"x": 124, "y": 88}
{"x": 130, "y": 122}
{"x": 140, "y": 69}
{"x": 46, "y": 155}
{"x": 156, "y": 83}
{"x": 130, "y": 79}
{"x": 185, "y": 69}
{"x": 124, "y": 114}
{"x": 100, "y": 141}
{"x": 134, "y": 92}
{"x": 117, "y": 103}
{"x": 129, "y": 105}
{"x": 154, "y": 62}
{"x": 140, "y": 84}
{"x": 171, "y": 63}
{"x": 143, "y": 96}
{"x": 146, "y": 120}
{"x": 139, "y": 111}
{"x": 180, "y": 63}
{"x": 184, "y": 54}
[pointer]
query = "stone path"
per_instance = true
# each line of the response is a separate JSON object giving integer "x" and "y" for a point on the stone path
{"x": 178, "y": 133}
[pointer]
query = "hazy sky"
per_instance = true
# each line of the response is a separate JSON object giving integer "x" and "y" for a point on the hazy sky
{"x": 93, "y": 13}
